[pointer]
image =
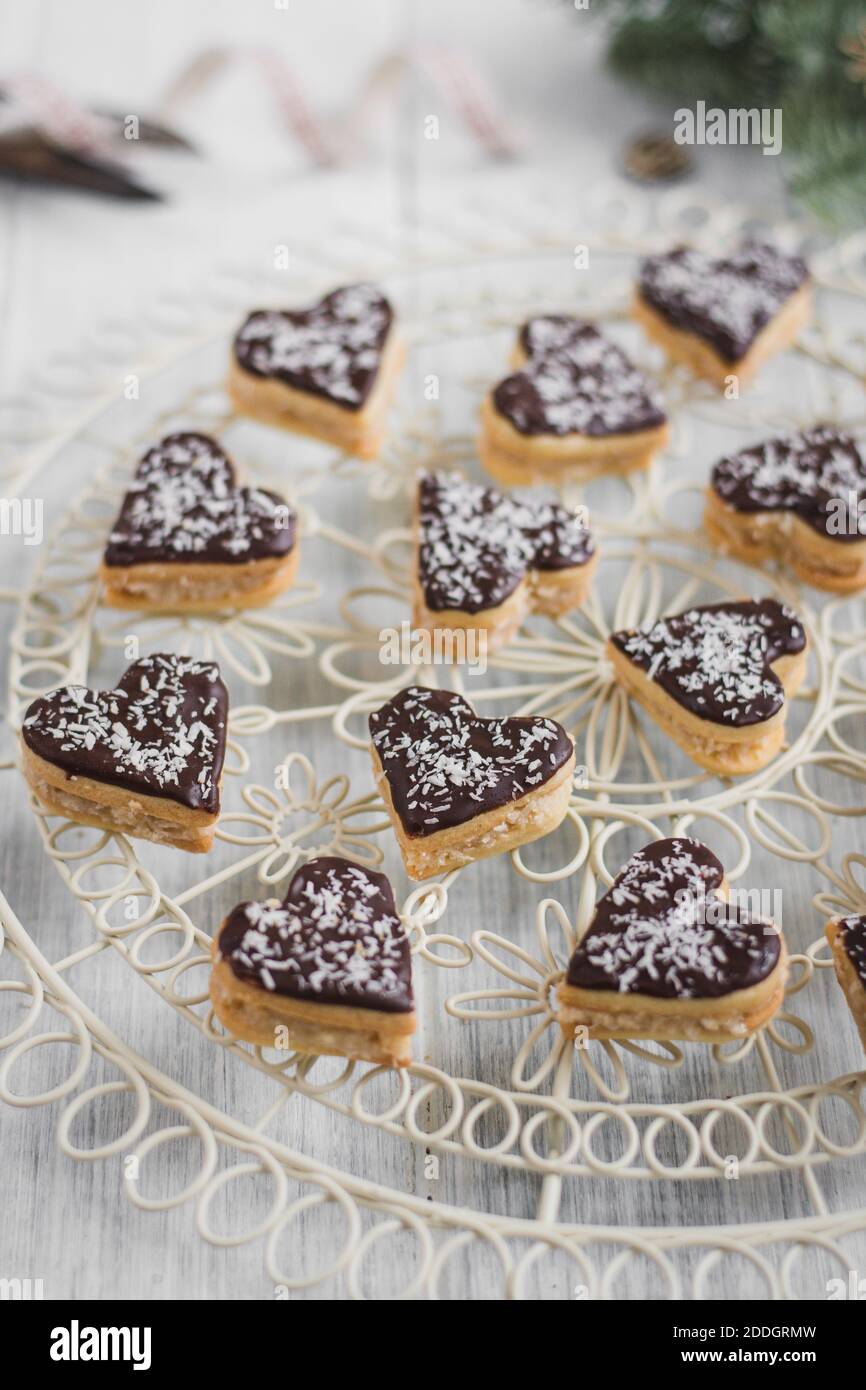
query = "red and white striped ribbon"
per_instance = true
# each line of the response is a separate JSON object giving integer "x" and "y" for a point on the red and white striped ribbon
{"x": 453, "y": 76}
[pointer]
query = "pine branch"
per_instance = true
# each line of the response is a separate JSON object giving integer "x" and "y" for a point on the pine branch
{"x": 784, "y": 54}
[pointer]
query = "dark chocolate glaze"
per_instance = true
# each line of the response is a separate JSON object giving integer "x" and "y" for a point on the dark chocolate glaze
{"x": 336, "y": 938}
{"x": 445, "y": 766}
{"x": 183, "y": 507}
{"x": 333, "y": 349}
{"x": 725, "y": 301}
{"x": 716, "y": 660}
{"x": 809, "y": 473}
{"x": 160, "y": 732}
{"x": 476, "y": 544}
{"x": 853, "y": 935}
{"x": 575, "y": 381}
{"x": 662, "y": 930}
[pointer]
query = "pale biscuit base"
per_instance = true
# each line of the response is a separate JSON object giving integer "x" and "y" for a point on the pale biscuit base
{"x": 532, "y": 815}
{"x": 722, "y": 748}
{"x": 197, "y": 588}
{"x": 550, "y": 592}
{"x": 612, "y": 1014}
{"x": 109, "y": 807}
{"x": 359, "y": 432}
{"x": 331, "y": 1030}
{"x": 520, "y": 460}
{"x": 849, "y": 981}
{"x": 703, "y": 360}
{"x": 755, "y": 537}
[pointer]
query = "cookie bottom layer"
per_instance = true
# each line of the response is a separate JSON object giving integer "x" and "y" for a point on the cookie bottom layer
{"x": 107, "y": 807}
{"x": 609, "y": 1014}
{"x": 849, "y": 981}
{"x": 517, "y": 460}
{"x": 530, "y": 817}
{"x": 702, "y": 359}
{"x": 549, "y": 592}
{"x": 197, "y": 588}
{"x": 726, "y": 750}
{"x": 333, "y": 1030}
{"x": 359, "y": 432}
{"x": 838, "y": 566}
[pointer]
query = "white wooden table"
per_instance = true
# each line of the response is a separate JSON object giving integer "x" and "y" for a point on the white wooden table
{"x": 66, "y": 259}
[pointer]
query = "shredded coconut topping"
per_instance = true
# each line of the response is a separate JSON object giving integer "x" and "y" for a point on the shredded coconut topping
{"x": 854, "y": 940}
{"x": 575, "y": 382}
{"x": 728, "y": 300}
{"x": 801, "y": 472}
{"x": 662, "y": 929}
{"x": 333, "y": 349}
{"x": 716, "y": 660}
{"x": 183, "y": 504}
{"x": 162, "y": 728}
{"x": 445, "y": 765}
{"x": 336, "y": 938}
{"x": 476, "y": 544}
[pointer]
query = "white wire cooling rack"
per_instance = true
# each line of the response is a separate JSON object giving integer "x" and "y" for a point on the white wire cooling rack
{"x": 777, "y": 1113}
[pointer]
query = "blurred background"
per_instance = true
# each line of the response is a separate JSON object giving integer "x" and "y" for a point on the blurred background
{"x": 213, "y": 128}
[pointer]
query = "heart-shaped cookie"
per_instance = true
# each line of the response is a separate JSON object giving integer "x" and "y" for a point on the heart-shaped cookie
{"x": 723, "y": 315}
{"x": 188, "y": 538}
{"x": 458, "y": 787}
{"x": 184, "y": 506}
{"x": 574, "y": 381}
{"x": 666, "y": 956}
{"x": 328, "y": 371}
{"x": 576, "y": 403}
{"x": 799, "y": 499}
{"x": 847, "y": 938}
{"x": 717, "y": 678}
{"x": 336, "y": 938}
{"x": 333, "y": 349}
{"x": 330, "y": 963}
{"x": 145, "y": 757}
{"x": 486, "y": 555}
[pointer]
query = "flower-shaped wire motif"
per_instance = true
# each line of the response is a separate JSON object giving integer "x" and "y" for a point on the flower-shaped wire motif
{"x": 531, "y": 993}
{"x": 339, "y": 826}
{"x": 406, "y": 449}
{"x": 242, "y": 642}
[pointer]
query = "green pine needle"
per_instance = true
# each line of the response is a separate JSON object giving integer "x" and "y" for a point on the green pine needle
{"x": 764, "y": 53}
